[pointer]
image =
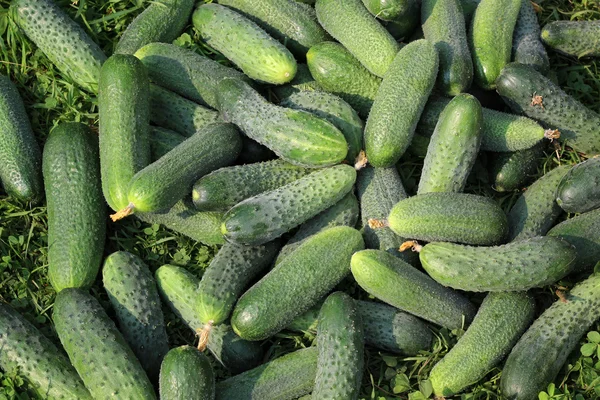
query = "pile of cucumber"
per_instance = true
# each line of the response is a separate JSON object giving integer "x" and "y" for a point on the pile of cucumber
{"x": 286, "y": 156}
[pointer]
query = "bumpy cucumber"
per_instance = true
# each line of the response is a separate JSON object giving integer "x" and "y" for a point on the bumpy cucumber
{"x": 163, "y": 141}
{"x": 20, "y": 155}
{"x": 132, "y": 292}
{"x": 579, "y": 190}
{"x": 399, "y": 284}
{"x": 450, "y": 217}
{"x": 96, "y": 348}
{"x": 186, "y": 374}
{"x": 76, "y": 211}
{"x": 507, "y": 315}
{"x": 511, "y": 171}
{"x": 454, "y": 146}
{"x": 61, "y": 39}
{"x": 574, "y": 38}
{"x": 388, "y": 10}
{"x": 245, "y": 44}
{"x": 340, "y": 341}
{"x": 583, "y": 232}
{"x": 527, "y": 48}
{"x": 46, "y": 369}
{"x": 303, "y": 81}
{"x": 269, "y": 215}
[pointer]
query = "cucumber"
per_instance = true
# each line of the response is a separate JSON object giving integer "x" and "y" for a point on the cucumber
{"x": 469, "y": 7}
{"x": 444, "y": 25}
{"x": 398, "y": 284}
{"x": 186, "y": 374}
{"x": 226, "y": 187}
{"x": 245, "y": 44}
{"x": 388, "y": 10}
{"x": 97, "y": 350}
{"x": 163, "y": 141}
{"x": 399, "y": 103}
{"x": 573, "y": 38}
{"x": 124, "y": 122}
{"x": 583, "y": 232}
{"x": 337, "y": 71}
{"x": 491, "y": 39}
{"x": 296, "y": 283}
{"x": 418, "y": 146}
{"x": 20, "y": 155}
{"x": 303, "y": 81}
{"x": 403, "y": 27}
{"x": 536, "y": 210}
{"x": 543, "y": 349}
{"x": 76, "y": 211}
{"x": 340, "y": 341}
{"x": 527, "y": 48}
{"x": 284, "y": 378}
{"x": 269, "y": 215}
{"x": 296, "y": 136}
{"x": 516, "y": 266}
{"x": 61, "y": 39}
{"x": 162, "y": 21}
{"x": 507, "y": 315}
{"x": 579, "y": 190}
{"x": 521, "y": 86}
{"x": 49, "y": 373}
{"x": 450, "y": 217}
{"x": 132, "y": 292}
{"x": 454, "y": 147}
{"x": 512, "y": 171}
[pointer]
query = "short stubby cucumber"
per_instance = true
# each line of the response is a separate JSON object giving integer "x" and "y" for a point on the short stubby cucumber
{"x": 163, "y": 141}
{"x": 583, "y": 232}
{"x": 527, "y": 47}
{"x": 512, "y": 171}
{"x": 186, "y": 374}
{"x": 579, "y": 190}
{"x": 303, "y": 81}
{"x": 397, "y": 283}
{"x": 573, "y": 38}
{"x": 400, "y": 102}
{"x": 267, "y": 216}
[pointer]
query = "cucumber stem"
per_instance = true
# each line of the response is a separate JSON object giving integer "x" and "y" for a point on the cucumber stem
{"x": 552, "y": 134}
{"x": 204, "y": 334}
{"x": 411, "y": 244}
{"x": 123, "y": 213}
{"x": 361, "y": 160}
{"x": 378, "y": 223}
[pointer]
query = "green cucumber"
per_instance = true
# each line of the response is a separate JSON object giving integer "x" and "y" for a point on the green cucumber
{"x": 454, "y": 146}
{"x": 61, "y": 39}
{"x": 528, "y": 92}
{"x": 163, "y": 141}
{"x": 303, "y": 81}
{"x": 512, "y": 171}
{"x": 403, "y": 27}
{"x": 398, "y": 284}
{"x": 579, "y": 190}
{"x": 76, "y": 210}
{"x": 245, "y": 44}
{"x": 296, "y": 283}
{"x": 38, "y": 360}
{"x": 507, "y": 315}
{"x": 516, "y": 266}
{"x": 400, "y": 102}
{"x": 388, "y": 10}
{"x": 450, "y": 217}
{"x": 340, "y": 341}
{"x": 186, "y": 374}
{"x": 541, "y": 352}
{"x": 583, "y": 232}
{"x": 573, "y": 38}
{"x": 469, "y": 7}
{"x": 20, "y": 155}
{"x": 132, "y": 292}
{"x": 527, "y": 48}
{"x": 269, "y": 215}
{"x": 96, "y": 348}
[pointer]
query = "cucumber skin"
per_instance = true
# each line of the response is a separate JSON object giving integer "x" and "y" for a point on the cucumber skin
{"x": 573, "y": 38}
{"x": 468, "y": 219}
{"x": 454, "y": 147}
{"x": 76, "y": 210}
{"x": 527, "y": 45}
{"x": 162, "y": 141}
{"x": 49, "y": 373}
{"x": 309, "y": 273}
{"x": 20, "y": 155}
{"x": 97, "y": 349}
{"x": 132, "y": 292}
{"x": 267, "y": 216}
{"x": 399, "y": 103}
{"x": 579, "y": 190}
{"x": 387, "y": 10}
{"x": 511, "y": 171}
{"x": 583, "y": 232}
{"x": 578, "y": 125}
{"x": 508, "y": 315}
{"x": 541, "y": 352}
{"x": 381, "y": 275}
{"x": 186, "y": 374}
{"x": 341, "y": 342}
{"x": 303, "y": 81}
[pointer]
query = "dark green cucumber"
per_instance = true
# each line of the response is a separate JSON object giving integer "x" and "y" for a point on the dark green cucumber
{"x": 527, "y": 48}
{"x": 163, "y": 141}
{"x": 583, "y": 232}
{"x": 528, "y": 92}
{"x": 341, "y": 342}
{"x": 132, "y": 292}
{"x": 96, "y": 348}
{"x": 296, "y": 283}
{"x": 402, "y": 28}
{"x": 45, "y": 367}
{"x": 579, "y": 190}
{"x": 512, "y": 171}
{"x": 76, "y": 211}
{"x": 388, "y": 10}
{"x": 400, "y": 102}
{"x": 573, "y": 38}
{"x": 507, "y": 315}
{"x": 186, "y": 374}
{"x": 516, "y": 266}
{"x": 269, "y": 215}
{"x": 20, "y": 155}
{"x": 226, "y": 187}
{"x": 469, "y": 7}
{"x": 454, "y": 146}
{"x": 450, "y": 217}
{"x": 303, "y": 81}
{"x": 399, "y": 284}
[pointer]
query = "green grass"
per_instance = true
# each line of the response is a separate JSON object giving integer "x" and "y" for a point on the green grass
{"x": 50, "y": 99}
